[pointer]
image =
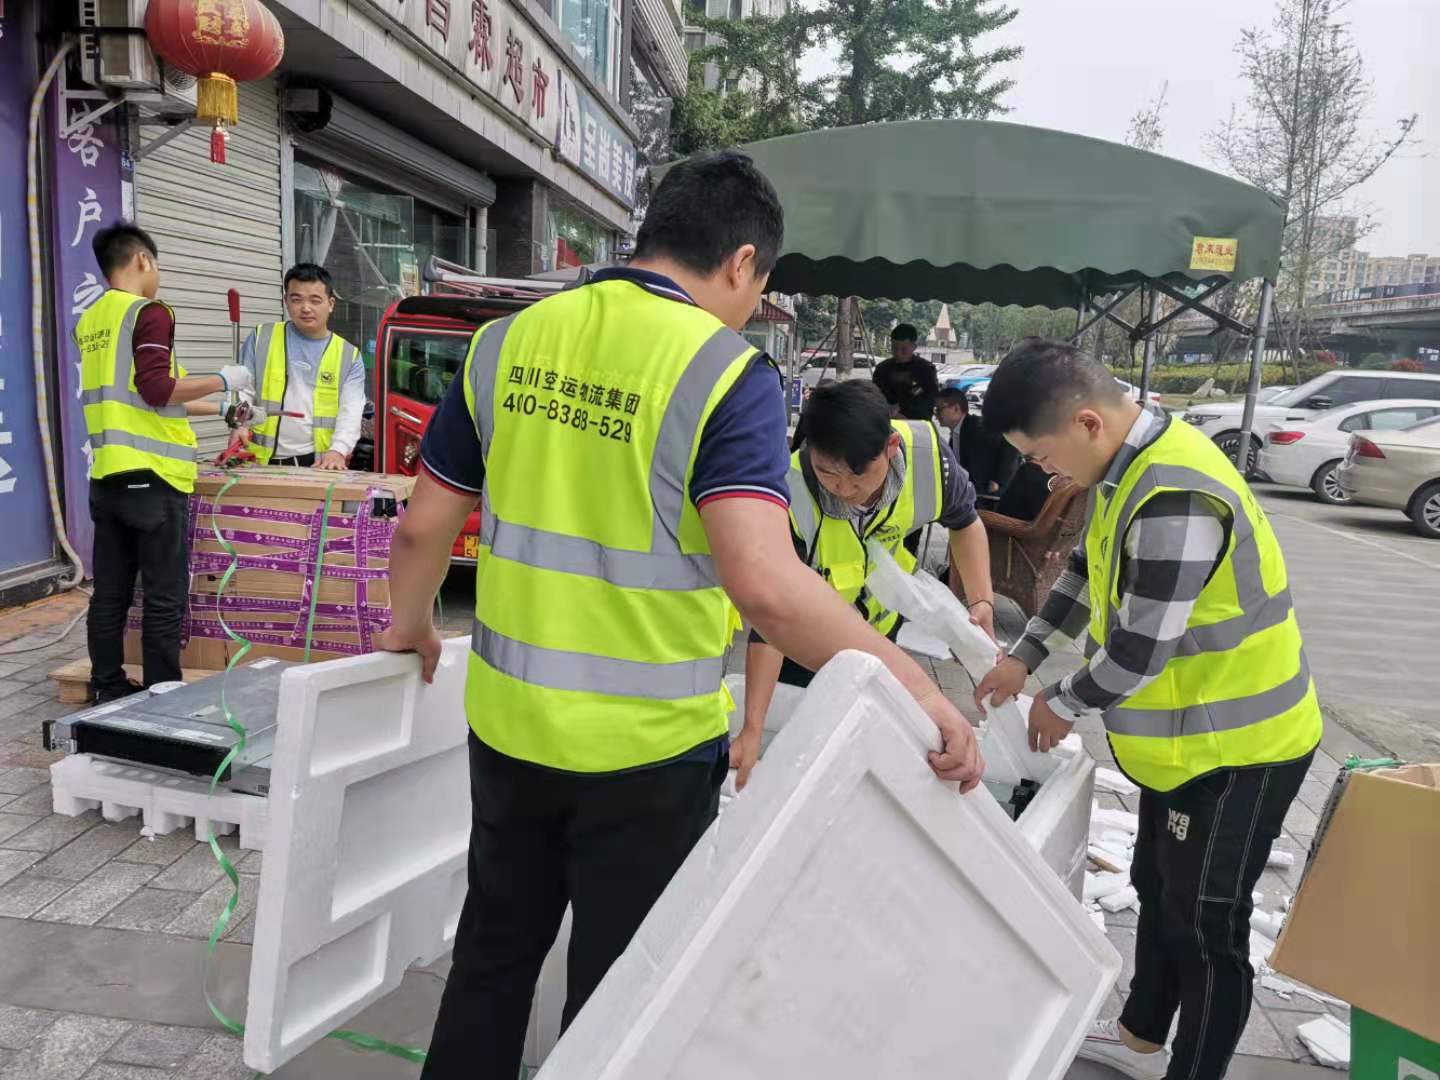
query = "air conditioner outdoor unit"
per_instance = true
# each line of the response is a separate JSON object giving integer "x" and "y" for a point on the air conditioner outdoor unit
{"x": 126, "y": 62}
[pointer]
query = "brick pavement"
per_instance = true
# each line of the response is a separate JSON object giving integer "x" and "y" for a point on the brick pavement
{"x": 120, "y": 895}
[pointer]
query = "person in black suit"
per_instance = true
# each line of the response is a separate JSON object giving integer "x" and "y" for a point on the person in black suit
{"x": 987, "y": 457}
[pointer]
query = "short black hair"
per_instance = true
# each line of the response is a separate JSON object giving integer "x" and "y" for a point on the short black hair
{"x": 309, "y": 272}
{"x": 1040, "y": 383}
{"x": 849, "y": 420}
{"x": 904, "y": 332}
{"x": 949, "y": 395}
{"x": 116, "y": 245}
{"x": 709, "y": 206}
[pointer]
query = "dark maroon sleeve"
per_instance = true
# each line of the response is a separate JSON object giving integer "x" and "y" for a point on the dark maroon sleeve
{"x": 153, "y": 340}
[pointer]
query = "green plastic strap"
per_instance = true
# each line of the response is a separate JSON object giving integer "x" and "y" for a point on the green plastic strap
{"x": 355, "y": 1038}
{"x": 1353, "y": 762}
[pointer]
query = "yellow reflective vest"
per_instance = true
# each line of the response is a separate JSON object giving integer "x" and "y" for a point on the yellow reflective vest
{"x": 837, "y": 549}
{"x": 329, "y": 378}
{"x": 1238, "y": 690}
{"x": 600, "y": 626}
{"x": 126, "y": 433}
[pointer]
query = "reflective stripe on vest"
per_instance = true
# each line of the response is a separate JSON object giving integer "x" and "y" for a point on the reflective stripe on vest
{"x": 1237, "y": 690}
{"x": 599, "y": 636}
{"x": 272, "y": 352}
{"x": 126, "y": 433}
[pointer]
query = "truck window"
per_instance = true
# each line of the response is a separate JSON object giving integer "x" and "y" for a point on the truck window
{"x": 423, "y": 363}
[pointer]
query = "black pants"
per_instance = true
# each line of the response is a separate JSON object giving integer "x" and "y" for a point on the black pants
{"x": 141, "y": 527}
{"x": 606, "y": 844}
{"x": 304, "y": 460}
{"x": 1199, "y": 853}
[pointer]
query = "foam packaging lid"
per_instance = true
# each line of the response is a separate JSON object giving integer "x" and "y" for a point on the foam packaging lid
{"x": 850, "y": 916}
{"x": 364, "y": 868}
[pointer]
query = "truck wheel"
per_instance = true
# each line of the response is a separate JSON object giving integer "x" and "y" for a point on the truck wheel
{"x": 1326, "y": 487}
{"x": 1229, "y": 443}
{"x": 1425, "y": 511}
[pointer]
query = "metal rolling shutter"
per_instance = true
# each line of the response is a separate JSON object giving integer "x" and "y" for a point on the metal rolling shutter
{"x": 217, "y": 228}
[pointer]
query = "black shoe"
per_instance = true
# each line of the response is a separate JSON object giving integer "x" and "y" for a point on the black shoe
{"x": 101, "y": 695}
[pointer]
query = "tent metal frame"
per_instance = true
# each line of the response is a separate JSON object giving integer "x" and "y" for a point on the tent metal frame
{"x": 1150, "y": 289}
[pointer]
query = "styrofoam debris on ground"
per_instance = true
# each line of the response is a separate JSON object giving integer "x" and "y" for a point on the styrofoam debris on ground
{"x": 1114, "y": 781}
{"x": 1268, "y": 923}
{"x": 1103, "y": 818}
{"x": 846, "y": 836}
{"x": 1280, "y": 858}
{"x": 1328, "y": 1039}
{"x": 1118, "y": 837}
{"x": 1107, "y": 860}
{"x": 1286, "y": 988}
{"x": 1260, "y": 949}
{"x": 1098, "y": 885}
{"x": 164, "y": 801}
{"x": 1119, "y": 901}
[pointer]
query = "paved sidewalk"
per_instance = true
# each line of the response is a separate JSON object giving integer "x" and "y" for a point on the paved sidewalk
{"x": 103, "y": 931}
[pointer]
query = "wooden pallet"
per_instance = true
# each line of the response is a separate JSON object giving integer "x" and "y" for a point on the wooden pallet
{"x": 72, "y": 682}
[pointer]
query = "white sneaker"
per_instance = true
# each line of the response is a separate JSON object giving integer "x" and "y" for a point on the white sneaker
{"x": 1104, "y": 1045}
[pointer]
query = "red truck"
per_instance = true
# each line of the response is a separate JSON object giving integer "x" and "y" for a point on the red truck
{"x": 420, "y": 349}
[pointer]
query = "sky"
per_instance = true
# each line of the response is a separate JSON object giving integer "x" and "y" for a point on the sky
{"x": 1088, "y": 66}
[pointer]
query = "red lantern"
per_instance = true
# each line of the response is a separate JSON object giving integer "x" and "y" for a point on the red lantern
{"x": 220, "y": 42}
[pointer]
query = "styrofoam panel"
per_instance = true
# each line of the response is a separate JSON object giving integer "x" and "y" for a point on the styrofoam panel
{"x": 850, "y": 916}
{"x": 163, "y": 800}
{"x": 365, "y": 861}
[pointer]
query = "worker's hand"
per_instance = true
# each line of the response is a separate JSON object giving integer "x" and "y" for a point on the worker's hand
{"x": 744, "y": 752}
{"x": 243, "y": 414}
{"x": 1004, "y": 681}
{"x": 332, "y": 460}
{"x": 427, "y": 647}
{"x": 237, "y": 377}
{"x": 960, "y": 759}
{"x": 982, "y": 614}
{"x": 1047, "y": 729}
{"x": 994, "y": 486}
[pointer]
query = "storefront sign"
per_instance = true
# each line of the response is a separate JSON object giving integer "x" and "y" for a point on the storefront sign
{"x": 24, "y": 503}
{"x": 499, "y": 52}
{"x": 594, "y": 143}
{"x": 86, "y": 195}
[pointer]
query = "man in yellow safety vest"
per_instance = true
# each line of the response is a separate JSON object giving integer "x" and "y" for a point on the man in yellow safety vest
{"x": 136, "y": 399}
{"x": 1196, "y": 668}
{"x": 862, "y": 476}
{"x": 311, "y": 381}
{"x": 628, "y": 449}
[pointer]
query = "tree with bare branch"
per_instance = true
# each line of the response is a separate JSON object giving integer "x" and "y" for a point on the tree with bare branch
{"x": 1301, "y": 135}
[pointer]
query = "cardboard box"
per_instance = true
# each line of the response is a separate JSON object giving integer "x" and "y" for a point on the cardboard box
{"x": 1384, "y": 1051}
{"x": 271, "y": 515}
{"x": 1364, "y": 926}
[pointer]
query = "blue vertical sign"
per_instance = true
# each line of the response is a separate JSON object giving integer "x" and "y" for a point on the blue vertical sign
{"x": 24, "y": 504}
{"x": 87, "y": 194}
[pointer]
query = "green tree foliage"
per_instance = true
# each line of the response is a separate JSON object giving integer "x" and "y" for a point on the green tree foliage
{"x": 994, "y": 331}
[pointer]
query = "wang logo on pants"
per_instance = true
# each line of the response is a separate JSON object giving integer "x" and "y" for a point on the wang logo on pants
{"x": 1179, "y": 824}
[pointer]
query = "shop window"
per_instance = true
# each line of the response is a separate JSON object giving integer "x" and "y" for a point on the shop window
{"x": 374, "y": 241}
{"x": 592, "y": 27}
{"x": 573, "y": 240}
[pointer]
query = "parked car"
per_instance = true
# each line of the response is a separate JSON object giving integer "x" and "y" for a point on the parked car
{"x": 1347, "y": 386}
{"x": 1307, "y": 453}
{"x": 1270, "y": 393}
{"x": 1397, "y": 469}
{"x": 822, "y": 365}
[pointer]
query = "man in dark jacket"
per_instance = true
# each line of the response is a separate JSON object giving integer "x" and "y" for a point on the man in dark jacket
{"x": 987, "y": 457}
{"x": 909, "y": 382}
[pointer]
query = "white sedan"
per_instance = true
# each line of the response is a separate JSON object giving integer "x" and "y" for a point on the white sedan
{"x": 1306, "y": 453}
{"x": 976, "y": 393}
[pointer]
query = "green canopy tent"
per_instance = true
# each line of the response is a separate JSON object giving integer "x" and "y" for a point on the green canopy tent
{"x": 980, "y": 211}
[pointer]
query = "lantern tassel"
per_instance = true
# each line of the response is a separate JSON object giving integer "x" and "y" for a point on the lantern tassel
{"x": 217, "y": 99}
{"x": 217, "y": 145}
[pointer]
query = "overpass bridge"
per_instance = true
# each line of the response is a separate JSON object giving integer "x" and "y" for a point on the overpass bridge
{"x": 1397, "y": 326}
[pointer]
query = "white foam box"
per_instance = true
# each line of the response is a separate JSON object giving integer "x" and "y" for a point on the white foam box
{"x": 163, "y": 800}
{"x": 850, "y": 916}
{"x": 364, "y": 869}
